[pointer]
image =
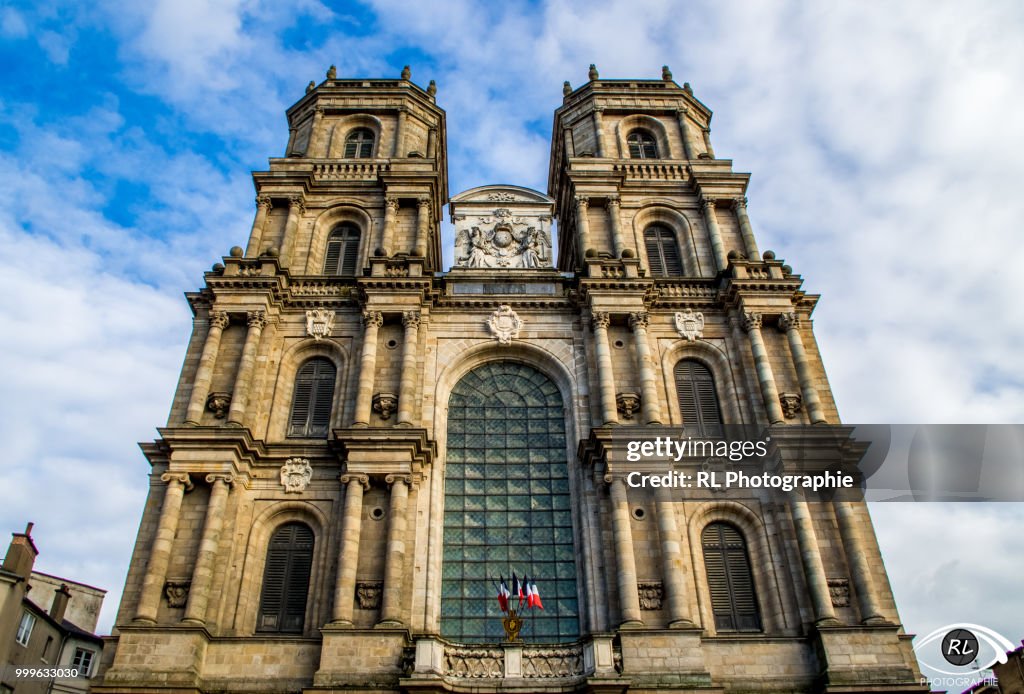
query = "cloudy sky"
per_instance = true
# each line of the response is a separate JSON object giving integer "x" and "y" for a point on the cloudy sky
{"x": 885, "y": 144}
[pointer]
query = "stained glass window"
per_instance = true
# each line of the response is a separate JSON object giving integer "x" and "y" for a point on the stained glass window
{"x": 507, "y": 505}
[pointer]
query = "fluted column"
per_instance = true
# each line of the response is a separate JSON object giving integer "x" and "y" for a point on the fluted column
{"x": 348, "y": 552}
{"x": 394, "y": 562}
{"x": 616, "y": 225}
{"x": 256, "y": 321}
{"x": 673, "y": 578}
{"x": 600, "y": 321}
{"x": 810, "y": 556}
{"x": 789, "y": 323}
{"x": 263, "y": 206}
{"x": 707, "y": 142}
{"x": 390, "y": 219}
{"x": 422, "y": 227}
{"x": 399, "y": 148}
{"x": 407, "y": 385}
{"x": 582, "y": 226}
{"x": 684, "y": 131}
{"x": 739, "y": 205}
{"x": 769, "y": 393}
{"x": 204, "y": 373}
{"x": 163, "y": 542}
{"x": 714, "y": 233}
{"x": 629, "y": 596}
{"x": 296, "y": 207}
{"x": 599, "y": 130}
{"x": 648, "y": 390}
{"x": 856, "y": 556}
{"x": 372, "y": 320}
{"x": 202, "y": 574}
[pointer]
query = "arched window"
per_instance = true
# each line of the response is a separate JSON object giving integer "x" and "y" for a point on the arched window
{"x": 313, "y": 399}
{"x": 642, "y": 145}
{"x": 662, "y": 251}
{"x": 286, "y": 579}
{"x": 698, "y": 400}
{"x": 507, "y": 504}
{"x": 359, "y": 144}
{"x": 730, "y": 582}
{"x": 342, "y": 251}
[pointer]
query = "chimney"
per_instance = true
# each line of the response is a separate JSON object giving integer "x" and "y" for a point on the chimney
{"x": 61, "y": 596}
{"x": 21, "y": 554}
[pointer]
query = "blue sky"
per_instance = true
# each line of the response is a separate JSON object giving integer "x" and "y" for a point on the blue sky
{"x": 884, "y": 144}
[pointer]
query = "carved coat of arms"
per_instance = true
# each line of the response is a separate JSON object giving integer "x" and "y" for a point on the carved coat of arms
{"x": 505, "y": 324}
{"x": 502, "y": 240}
{"x": 296, "y": 474}
{"x": 319, "y": 323}
{"x": 689, "y": 324}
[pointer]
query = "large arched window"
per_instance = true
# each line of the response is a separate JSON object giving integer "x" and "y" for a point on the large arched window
{"x": 662, "y": 251}
{"x": 507, "y": 504}
{"x": 730, "y": 582}
{"x": 642, "y": 145}
{"x": 286, "y": 579}
{"x": 698, "y": 399}
{"x": 313, "y": 399}
{"x": 359, "y": 144}
{"x": 342, "y": 251}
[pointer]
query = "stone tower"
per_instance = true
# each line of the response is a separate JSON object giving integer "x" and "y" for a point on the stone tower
{"x": 360, "y": 443}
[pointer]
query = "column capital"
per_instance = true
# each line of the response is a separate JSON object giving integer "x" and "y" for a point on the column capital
{"x": 739, "y": 203}
{"x": 598, "y": 110}
{"x": 582, "y": 201}
{"x": 423, "y": 201}
{"x": 682, "y": 111}
{"x": 411, "y": 319}
{"x": 264, "y": 201}
{"x": 639, "y": 320}
{"x": 373, "y": 318}
{"x": 750, "y": 320}
{"x": 256, "y": 319}
{"x": 706, "y": 130}
{"x": 224, "y": 477}
{"x": 707, "y": 202}
{"x": 296, "y": 202}
{"x": 613, "y": 200}
{"x": 219, "y": 319}
{"x": 318, "y": 111}
{"x": 181, "y": 478}
{"x": 789, "y": 321}
{"x": 393, "y": 479}
{"x": 600, "y": 319}
{"x": 361, "y": 479}
{"x": 391, "y": 202}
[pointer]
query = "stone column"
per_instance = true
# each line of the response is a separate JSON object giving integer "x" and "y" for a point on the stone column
{"x": 648, "y": 390}
{"x": 789, "y": 323}
{"x": 256, "y": 321}
{"x": 372, "y": 320}
{"x": 570, "y": 146}
{"x": 295, "y": 209}
{"x": 629, "y": 596}
{"x": 616, "y": 225}
{"x": 582, "y": 227}
{"x": 390, "y": 219}
{"x": 316, "y": 134}
{"x": 160, "y": 553}
{"x": 348, "y": 552}
{"x": 673, "y": 580}
{"x": 204, "y": 373}
{"x": 810, "y": 556}
{"x": 599, "y": 130}
{"x": 202, "y": 574}
{"x": 856, "y": 557}
{"x": 739, "y": 205}
{"x": 398, "y": 149}
{"x": 606, "y": 378}
{"x": 431, "y": 143}
{"x": 707, "y": 143}
{"x": 394, "y": 562}
{"x": 407, "y": 385}
{"x": 422, "y": 227}
{"x": 714, "y": 233}
{"x": 769, "y": 393}
{"x": 263, "y": 206}
{"x": 684, "y": 132}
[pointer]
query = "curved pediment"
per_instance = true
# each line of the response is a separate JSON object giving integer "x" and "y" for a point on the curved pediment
{"x": 501, "y": 194}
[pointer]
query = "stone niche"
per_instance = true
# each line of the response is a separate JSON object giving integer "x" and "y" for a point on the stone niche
{"x": 502, "y": 228}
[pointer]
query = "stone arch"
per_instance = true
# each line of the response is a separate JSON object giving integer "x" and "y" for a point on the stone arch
{"x": 644, "y": 122}
{"x": 251, "y": 583}
{"x": 293, "y": 358}
{"x": 326, "y": 222}
{"x": 343, "y": 126}
{"x": 676, "y": 221}
{"x": 759, "y": 553}
{"x": 713, "y": 357}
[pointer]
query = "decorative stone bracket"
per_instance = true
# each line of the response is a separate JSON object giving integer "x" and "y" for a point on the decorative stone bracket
{"x": 651, "y": 594}
{"x": 218, "y": 403}
{"x": 176, "y": 591}
{"x": 385, "y": 404}
{"x": 839, "y": 590}
{"x": 627, "y": 404}
{"x": 368, "y": 594}
{"x": 791, "y": 403}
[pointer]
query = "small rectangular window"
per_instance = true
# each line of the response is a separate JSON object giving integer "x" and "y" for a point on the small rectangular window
{"x": 82, "y": 661}
{"x": 25, "y": 629}
{"x": 46, "y": 649}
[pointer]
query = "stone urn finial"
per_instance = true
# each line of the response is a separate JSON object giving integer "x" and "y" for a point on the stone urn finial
{"x": 432, "y": 88}
{"x": 592, "y": 74}
{"x": 406, "y": 73}
{"x": 666, "y": 74}
{"x": 332, "y": 73}
{"x": 566, "y": 88}
{"x": 311, "y": 86}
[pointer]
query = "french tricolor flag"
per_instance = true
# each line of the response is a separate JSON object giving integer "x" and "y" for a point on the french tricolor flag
{"x": 533, "y": 596}
{"x": 503, "y": 595}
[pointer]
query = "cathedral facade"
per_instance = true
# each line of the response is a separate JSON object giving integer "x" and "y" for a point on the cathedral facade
{"x": 361, "y": 445}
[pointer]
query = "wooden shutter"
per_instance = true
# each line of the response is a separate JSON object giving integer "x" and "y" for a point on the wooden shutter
{"x": 662, "y": 251}
{"x": 313, "y": 399}
{"x": 286, "y": 579}
{"x": 730, "y": 581}
{"x": 333, "y": 255}
{"x": 698, "y": 399}
{"x": 652, "y": 243}
{"x": 350, "y": 254}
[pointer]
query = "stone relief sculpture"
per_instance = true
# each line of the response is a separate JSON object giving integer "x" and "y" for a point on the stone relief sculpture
{"x": 295, "y": 475}
{"x": 502, "y": 240}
